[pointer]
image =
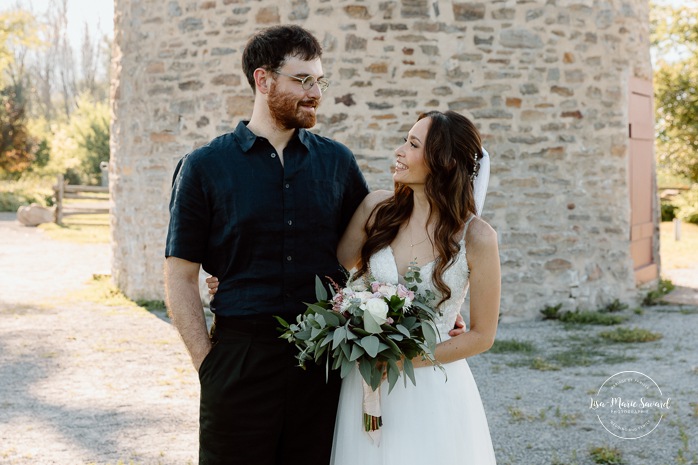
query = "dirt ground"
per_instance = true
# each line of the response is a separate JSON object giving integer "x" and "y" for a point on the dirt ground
{"x": 82, "y": 383}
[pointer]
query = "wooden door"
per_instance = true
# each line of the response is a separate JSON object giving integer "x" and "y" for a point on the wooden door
{"x": 643, "y": 216}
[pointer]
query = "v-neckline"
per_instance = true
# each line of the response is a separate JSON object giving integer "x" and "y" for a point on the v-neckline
{"x": 400, "y": 276}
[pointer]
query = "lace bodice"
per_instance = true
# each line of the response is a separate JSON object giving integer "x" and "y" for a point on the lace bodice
{"x": 384, "y": 269}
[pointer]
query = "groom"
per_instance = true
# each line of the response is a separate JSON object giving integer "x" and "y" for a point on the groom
{"x": 263, "y": 209}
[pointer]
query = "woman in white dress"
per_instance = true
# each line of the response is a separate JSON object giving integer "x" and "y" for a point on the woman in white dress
{"x": 429, "y": 218}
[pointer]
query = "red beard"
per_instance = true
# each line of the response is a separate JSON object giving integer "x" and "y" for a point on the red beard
{"x": 286, "y": 110}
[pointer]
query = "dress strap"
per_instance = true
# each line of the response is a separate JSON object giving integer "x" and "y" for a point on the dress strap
{"x": 465, "y": 227}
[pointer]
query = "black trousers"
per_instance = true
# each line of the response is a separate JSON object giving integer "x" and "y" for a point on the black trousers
{"x": 257, "y": 406}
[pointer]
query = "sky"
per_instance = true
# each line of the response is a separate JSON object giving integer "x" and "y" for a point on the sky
{"x": 98, "y": 14}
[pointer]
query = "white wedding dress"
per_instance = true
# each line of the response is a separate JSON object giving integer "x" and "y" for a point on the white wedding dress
{"x": 439, "y": 421}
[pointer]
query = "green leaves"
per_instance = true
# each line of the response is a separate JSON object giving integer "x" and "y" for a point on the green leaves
{"x": 374, "y": 331}
{"x": 370, "y": 345}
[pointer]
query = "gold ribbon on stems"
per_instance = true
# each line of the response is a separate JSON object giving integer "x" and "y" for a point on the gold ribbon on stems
{"x": 372, "y": 419}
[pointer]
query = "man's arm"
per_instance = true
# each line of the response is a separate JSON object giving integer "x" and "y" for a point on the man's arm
{"x": 185, "y": 308}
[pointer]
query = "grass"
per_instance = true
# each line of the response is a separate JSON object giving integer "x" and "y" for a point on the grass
{"x": 629, "y": 335}
{"x": 588, "y": 317}
{"x": 654, "y": 296}
{"x": 606, "y": 456}
{"x": 505, "y": 346}
{"x": 83, "y": 229}
{"x": 678, "y": 254}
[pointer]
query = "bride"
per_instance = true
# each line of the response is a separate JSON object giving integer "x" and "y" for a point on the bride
{"x": 429, "y": 218}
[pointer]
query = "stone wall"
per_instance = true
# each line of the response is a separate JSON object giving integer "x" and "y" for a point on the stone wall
{"x": 546, "y": 82}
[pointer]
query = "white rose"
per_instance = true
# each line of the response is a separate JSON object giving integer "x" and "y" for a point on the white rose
{"x": 375, "y": 314}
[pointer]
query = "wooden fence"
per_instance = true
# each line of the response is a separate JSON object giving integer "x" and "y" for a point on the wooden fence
{"x": 63, "y": 190}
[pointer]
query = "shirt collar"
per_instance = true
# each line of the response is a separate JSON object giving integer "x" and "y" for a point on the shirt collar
{"x": 247, "y": 138}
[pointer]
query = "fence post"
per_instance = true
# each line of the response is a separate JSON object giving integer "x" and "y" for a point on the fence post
{"x": 59, "y": 189}
{"x": 677, "y": 229}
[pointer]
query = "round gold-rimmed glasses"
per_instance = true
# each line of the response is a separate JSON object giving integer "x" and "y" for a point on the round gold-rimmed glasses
{"x": 309, "y": 81}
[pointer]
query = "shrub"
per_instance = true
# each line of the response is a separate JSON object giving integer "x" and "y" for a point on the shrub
{"x": 630, "y": 335}
{"x": 687, "y": 205}
{"x": 551, "y": 312}
{"x": 668, "y": 211}
{"x": 14, "y": 194}
{"x": 653, "y": 297}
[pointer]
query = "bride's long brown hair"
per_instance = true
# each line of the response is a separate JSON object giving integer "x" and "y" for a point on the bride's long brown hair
{"x": 451, "y": 152}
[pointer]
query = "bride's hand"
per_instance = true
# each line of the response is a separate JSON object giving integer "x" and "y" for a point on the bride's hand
{"x": 212, "y": 283}
{"x": 459, "y": 327}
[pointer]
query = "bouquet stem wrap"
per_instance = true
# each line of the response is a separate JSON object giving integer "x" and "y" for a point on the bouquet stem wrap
{"x": 372, "y": 419}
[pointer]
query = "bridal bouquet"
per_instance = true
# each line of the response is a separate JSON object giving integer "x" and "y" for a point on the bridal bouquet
{"x": 369, "y": 323}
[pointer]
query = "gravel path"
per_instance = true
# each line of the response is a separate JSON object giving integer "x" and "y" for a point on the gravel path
{"x": 92, "y": 384}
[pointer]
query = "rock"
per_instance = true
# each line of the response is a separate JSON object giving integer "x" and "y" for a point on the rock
{"x": 35, "y": 214}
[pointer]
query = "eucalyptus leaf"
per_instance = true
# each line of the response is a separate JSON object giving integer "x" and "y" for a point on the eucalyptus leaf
{"x": 365, "y": 368}
{"x": 394, "y": 347}
{"x": 346, "y": 368}
{"x": 409, "y": 370}
{"x": 403, "y": 330}
{"x": 382, "y": 347}
{"x": 393, "y": 374}
{"x": 338, "y": 337}
{"x": 327, "y": 339}
{"x": 356, "y": 352}
{"x": 345, "y": 348}
{"x": 376, "y": 377}
{"x": 370, "y": 345}
{"x": 281, "y": 321}
{"x": 429, "y": 336}
{"x": 320, "y": 291}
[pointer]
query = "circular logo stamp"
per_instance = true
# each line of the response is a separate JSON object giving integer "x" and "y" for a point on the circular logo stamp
{"x": 630, "y": 405}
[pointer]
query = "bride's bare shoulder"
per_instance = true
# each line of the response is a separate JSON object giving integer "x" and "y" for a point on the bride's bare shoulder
{"x": 480, "y": 234}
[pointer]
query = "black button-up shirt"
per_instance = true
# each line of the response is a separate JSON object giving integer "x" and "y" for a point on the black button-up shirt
{"x": 265, "y": 230}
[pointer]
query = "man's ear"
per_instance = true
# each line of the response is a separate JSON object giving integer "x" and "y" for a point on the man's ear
{"x": 262, "y": 79}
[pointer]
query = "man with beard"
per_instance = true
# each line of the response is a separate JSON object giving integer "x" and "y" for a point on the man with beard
{"x": 263, "y": 209}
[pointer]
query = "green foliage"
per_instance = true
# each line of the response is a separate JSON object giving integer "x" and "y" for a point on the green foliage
{"x": 606, "y": 456}
{"x": 17, "y": 28}
{"x": 675, "y": 33}
{"x": 654, "y": 296}
{"x": 687, "y": 205}
{"x": 668, "y": 210}
{"x": 502, "y": 346}
{"x": 615, "y": 306}
{"x": 152, "y": 305}
{"x": 15, "y": 141}
{"x": 630, "y": 335}
{"x": 587, "y": 317}
{"x": 73, "y": 148}
{"x": 14, "y": 194}
{"x": 551, "y": 312}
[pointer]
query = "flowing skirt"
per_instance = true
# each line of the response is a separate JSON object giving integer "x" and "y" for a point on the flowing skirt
{"x": 438, "y": 421}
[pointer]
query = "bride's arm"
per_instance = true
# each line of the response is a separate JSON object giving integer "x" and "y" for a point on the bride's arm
{"x": 349, "y": 248}
{"x": 485, "y": 291}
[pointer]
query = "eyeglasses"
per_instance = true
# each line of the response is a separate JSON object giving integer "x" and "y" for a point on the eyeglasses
{"x": 309, "y": 81}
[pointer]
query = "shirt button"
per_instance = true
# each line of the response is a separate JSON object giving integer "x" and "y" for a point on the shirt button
{"x": 287, "y": 185}
{"x": 273, "y": 155}
{"x": 289, "y": 258}
{"x": 290, "y": 222}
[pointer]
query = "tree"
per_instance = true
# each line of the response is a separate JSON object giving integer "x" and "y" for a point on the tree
{"x": 675, "y": 42}
{"x": 17, "y": 30}
{"x": 15, "y": 142}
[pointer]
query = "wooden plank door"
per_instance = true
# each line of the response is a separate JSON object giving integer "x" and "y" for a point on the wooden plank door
{"x": 643, "y": 216}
